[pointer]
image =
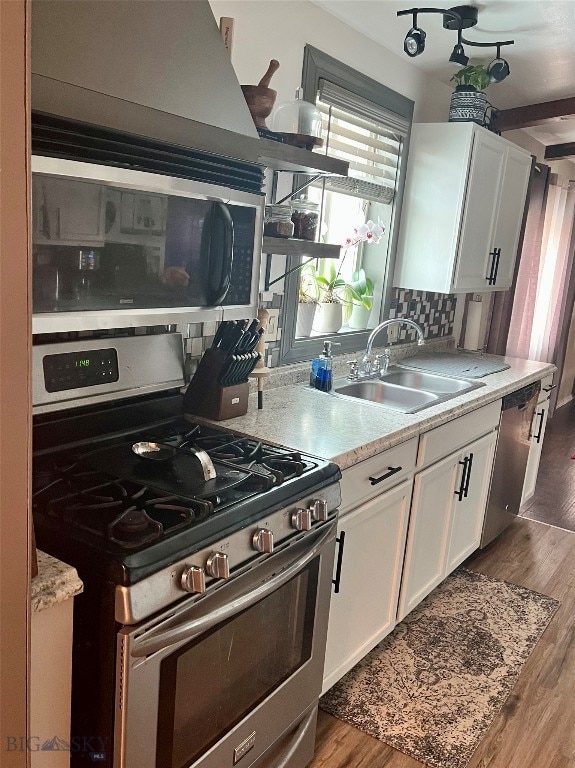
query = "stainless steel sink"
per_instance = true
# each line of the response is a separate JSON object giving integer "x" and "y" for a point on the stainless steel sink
{"x": 389, "y": 395}
{"x": 405, "y": 390}
{"x": 430, "y": 382}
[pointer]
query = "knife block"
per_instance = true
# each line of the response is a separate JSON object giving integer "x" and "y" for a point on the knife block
{"x": 206, "y": 397}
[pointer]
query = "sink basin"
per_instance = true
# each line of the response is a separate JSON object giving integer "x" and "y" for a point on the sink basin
{"x": 404, "y": 390}
{"x": 430, "y": 382}
{"x": 389, "y": 395}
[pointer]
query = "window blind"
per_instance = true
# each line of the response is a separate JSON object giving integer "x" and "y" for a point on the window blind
{"x": 367, "y": 136}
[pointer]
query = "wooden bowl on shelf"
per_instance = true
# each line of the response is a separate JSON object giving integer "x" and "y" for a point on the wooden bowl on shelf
{"x": 260, "y": 101}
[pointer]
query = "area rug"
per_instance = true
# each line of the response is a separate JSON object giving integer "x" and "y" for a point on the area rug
{"x": 433, "y": 687}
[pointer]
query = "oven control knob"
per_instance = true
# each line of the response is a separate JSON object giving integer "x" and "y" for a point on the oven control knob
{"x": 301, "y": 519}
{"x": 218, "y": 565}
{"x": 319, "y": 510}
{"x": 193, "y": 579}
{"x": 263, "y": 541}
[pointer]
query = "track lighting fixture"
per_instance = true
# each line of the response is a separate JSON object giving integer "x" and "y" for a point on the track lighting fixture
{"x": 458, "y": 18}
{"x": 414, "y": 42}
{"x": 458, "y": 54}
{"x": 498, "y": 69}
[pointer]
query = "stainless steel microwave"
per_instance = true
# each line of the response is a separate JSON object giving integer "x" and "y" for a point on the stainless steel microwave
{"x": 117, "y": 247}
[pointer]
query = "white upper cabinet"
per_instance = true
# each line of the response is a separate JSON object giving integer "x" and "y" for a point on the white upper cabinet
{"x": 462, "y": 211}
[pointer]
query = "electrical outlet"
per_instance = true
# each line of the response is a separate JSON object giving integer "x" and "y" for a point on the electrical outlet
{"x": 392, "y": 333}
{"x": 477, "y": 297}
{"x": 272, "y": 328}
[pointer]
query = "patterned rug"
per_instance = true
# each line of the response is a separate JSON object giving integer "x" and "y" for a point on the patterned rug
{"x": 433, "y": 687}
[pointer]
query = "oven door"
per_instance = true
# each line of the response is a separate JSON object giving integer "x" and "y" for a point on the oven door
{"x": 234, "y": 677}
{"x": 116, "y": 247}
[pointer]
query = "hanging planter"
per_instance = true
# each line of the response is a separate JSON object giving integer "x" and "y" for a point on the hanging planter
{"x": 468, "y": 101}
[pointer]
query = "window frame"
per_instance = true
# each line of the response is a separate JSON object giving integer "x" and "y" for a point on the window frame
{"x": 316, "y": 66}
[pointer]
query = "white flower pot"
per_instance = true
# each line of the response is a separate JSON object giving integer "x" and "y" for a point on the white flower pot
{"x": 359, "y": 317}
{"x": 304, "y": 319}
{"x": 328, "y": 318}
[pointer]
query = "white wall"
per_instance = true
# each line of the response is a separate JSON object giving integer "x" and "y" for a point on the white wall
{"x": 280, "y": 29}
{"x": 565, "y": 169}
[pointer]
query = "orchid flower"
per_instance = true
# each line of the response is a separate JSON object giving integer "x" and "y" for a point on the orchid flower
{"x": 370, "y": 232}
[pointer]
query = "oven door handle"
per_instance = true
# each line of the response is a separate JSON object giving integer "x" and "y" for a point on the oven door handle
{"x": 225, "y": 607}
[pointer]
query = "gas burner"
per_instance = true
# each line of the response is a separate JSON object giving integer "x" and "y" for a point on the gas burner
{"x": 125, "y": 512}
{"x": 133, "y": 528}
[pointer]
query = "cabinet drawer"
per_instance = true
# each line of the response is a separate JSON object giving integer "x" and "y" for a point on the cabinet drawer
{"x": 357, "y": 485}
{"x": 450, "y": 437}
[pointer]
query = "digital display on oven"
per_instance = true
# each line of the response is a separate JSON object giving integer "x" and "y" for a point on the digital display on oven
{"x": 72, "y": 370}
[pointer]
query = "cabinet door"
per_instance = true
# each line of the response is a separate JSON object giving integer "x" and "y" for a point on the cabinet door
{"x": 428, "y": 535}
{"x": 538, "y": 426}
{"x": 480, "y": 211}
{"x": 476, "y": 463}
{"x": 70, "y": 211}
{"x": 510, "y": 215}
{"x": 363, "y": 611}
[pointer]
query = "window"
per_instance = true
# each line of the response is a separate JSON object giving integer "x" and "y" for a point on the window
{"x": 367, "y": 125}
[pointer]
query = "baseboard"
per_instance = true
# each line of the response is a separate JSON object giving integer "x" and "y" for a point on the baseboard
{"x": 564, "y": 401}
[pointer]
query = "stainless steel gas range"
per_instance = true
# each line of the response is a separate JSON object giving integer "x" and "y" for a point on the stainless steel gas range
{"x": 206, "y": 559}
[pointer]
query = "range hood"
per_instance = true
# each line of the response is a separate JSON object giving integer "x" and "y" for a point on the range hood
{"x": 154, "y": 68}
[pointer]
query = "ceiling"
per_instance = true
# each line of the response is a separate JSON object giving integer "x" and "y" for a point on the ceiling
{"x": 542, "y": 61}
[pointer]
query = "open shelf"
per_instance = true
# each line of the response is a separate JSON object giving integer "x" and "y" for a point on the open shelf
{"x": 291, "y": 247}
{"x": 285, "y": 157}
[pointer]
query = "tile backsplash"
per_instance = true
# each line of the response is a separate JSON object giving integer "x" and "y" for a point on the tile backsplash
{"x": 435, "y": 313}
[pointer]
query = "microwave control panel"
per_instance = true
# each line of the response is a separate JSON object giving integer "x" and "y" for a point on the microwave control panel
{"x": 72, "y": 370}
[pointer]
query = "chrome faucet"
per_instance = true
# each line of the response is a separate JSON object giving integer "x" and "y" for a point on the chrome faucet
{"x": 368, "y": 367}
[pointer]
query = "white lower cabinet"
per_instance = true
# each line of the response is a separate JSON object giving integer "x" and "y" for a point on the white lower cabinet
{"x": 447, "y": 512}
{"x": 469, "y": 511}
{"x": 400, "y": 534}
{"x": 363, "y": 610}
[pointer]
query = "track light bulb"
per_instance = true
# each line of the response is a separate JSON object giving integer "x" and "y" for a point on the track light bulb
{"x": 498, "y": 70}
{"x": 458, "y": 56}
{"x": 414, "y": 42}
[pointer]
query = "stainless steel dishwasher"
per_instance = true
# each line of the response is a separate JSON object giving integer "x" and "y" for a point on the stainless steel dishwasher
{"x": 510, "y": 462}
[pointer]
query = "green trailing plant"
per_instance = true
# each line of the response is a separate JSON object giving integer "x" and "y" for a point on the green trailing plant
{"x": 308, "y": 291}
{"x": 475, "y": 76}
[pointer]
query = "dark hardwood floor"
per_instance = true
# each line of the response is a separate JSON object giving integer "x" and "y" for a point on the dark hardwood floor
{"x": 536, "y": 727}
{"x": 554, "y": 498}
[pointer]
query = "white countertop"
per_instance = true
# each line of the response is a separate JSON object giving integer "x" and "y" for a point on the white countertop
{"x": 347, "y": 431}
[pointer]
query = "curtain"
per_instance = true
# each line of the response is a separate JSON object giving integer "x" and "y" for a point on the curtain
{"x": 554, "y": 268}
{"x": 542, "y": 280}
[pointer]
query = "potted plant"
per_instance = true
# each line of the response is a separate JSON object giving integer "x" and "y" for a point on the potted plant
{"x": 468, "y": 101}
{"x": 334, "y": 294}
{"x": 329, "y": 314}
{"x": 362, "y": 303}
{"x": 308, "y": 295}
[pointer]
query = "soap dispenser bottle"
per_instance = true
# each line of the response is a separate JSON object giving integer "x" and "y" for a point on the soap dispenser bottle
{"x": 320, "y": 376}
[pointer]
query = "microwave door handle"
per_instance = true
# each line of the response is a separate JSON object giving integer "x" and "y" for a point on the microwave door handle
{"x": 226, "y": 608}
{"x": 220, "y": 253}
